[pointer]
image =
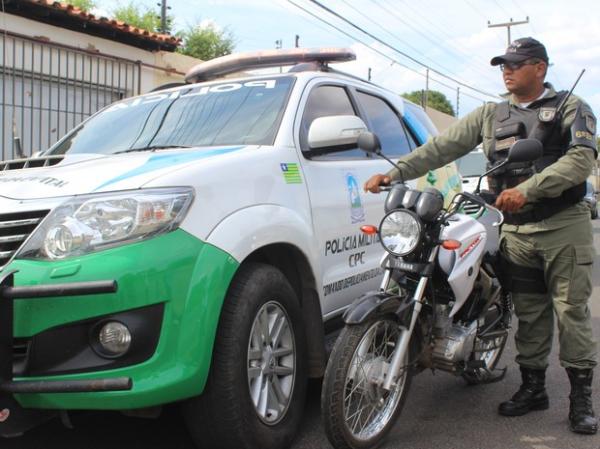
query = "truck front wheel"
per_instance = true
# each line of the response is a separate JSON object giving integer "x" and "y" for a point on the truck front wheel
{"x": 255, "y": 392}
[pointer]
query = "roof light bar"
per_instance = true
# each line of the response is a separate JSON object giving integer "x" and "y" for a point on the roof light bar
{"x": 262, "y": 59}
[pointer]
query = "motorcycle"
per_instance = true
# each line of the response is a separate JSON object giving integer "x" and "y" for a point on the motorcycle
{"x": 442, "y": 305}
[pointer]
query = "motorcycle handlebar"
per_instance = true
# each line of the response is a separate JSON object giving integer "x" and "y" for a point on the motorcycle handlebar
{"x": 476, "y": 199}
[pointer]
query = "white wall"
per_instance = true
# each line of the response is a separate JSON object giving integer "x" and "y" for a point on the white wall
{"x": 151, "y": 77}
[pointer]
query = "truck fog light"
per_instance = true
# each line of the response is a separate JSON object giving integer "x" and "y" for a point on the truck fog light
{"x": 114, "y": 338}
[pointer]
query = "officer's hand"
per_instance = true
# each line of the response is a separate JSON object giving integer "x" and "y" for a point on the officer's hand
{"x": 372, "y": 185}
{"x": 510, "y": 200}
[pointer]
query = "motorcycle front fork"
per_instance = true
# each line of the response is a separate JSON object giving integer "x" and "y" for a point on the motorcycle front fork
{"x": 396, "y": 364}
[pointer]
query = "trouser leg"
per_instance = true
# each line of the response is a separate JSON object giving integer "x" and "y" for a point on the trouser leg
{"x": 533, "y": 305}
{"x": 568, "y": 256}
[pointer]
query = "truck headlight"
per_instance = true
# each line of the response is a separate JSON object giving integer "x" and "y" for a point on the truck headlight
{"x": 89, "y": 223}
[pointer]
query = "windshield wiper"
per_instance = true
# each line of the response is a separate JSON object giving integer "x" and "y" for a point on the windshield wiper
{"x": 152, "y": 148}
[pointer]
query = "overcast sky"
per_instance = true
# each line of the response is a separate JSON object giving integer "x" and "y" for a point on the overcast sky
{"x": 450, "y": 36}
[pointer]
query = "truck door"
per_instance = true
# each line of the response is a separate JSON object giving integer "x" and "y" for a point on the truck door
{"x": 350, "y": 259}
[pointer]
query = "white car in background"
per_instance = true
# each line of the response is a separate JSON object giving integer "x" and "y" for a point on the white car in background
{"x": 470, "y": 167}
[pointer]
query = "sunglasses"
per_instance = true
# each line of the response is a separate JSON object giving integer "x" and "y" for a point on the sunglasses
{"x": 516, "y": 65}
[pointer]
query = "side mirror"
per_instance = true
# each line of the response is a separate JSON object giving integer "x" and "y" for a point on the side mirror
{"x": 369, "y": 143}
{"x": 335, "y": 133}
{"x": 525, "y": 150}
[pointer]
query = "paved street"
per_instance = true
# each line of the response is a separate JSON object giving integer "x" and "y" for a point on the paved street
{"x": 441, "y": 412}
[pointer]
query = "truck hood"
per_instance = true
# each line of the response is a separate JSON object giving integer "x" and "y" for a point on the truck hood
{"x": 86, "y": 173}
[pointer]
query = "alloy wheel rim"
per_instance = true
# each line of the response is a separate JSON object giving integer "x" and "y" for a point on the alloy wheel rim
{"x": 271, "y": 363}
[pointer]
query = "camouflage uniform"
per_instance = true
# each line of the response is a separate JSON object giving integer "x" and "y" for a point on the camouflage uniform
{"x": 561, "y": 245}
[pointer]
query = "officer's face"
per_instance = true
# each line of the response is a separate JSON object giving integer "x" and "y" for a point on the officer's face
{"x": 524, "y": 78}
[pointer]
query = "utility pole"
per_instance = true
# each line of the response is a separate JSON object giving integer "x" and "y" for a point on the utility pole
{"x": 457, "y": 100}
{"x": 163, "y": 16}
{"x": 278, "y": 45}
{"x": 369, "y": 76}
{"x": 297, "y": 44}
{"x": 426, "y": 89}
{"x": 508, "y": 25}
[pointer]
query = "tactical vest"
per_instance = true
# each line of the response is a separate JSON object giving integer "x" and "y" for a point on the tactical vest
{"x": 539, "y": 122}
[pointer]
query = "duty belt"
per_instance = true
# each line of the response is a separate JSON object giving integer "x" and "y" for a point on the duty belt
{"x": 538, "y": 213}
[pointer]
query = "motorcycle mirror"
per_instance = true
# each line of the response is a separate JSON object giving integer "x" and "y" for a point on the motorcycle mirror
{"x": 525, "y": 150}
{"x": 369, "y": 143}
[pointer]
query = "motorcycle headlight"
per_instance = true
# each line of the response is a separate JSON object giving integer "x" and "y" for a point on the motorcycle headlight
{"x": 400, "y": 232}
{"x": 89, "y": 223}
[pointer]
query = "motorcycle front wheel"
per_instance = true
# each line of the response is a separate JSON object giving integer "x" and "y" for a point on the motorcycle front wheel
{"x": 357, "y": 411}
{"x": 488, "y": 350}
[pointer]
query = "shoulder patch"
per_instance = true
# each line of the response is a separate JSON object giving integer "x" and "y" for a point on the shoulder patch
{"x": 590, "y": 123}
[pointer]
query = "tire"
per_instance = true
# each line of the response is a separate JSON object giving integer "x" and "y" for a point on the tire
{"x": 336, "y": 404}
{"x": 224, "y": 416}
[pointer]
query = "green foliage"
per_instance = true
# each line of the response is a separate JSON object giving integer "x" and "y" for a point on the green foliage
{"x": 435, "y": 100}
{"x": 206, "y": 42}
{"x": 85, "y": 5}
{"x": 199, "y": 41}
{"x": 141, "y": 17}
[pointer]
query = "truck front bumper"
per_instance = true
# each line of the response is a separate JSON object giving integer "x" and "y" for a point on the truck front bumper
{"x": 173, "y": 286}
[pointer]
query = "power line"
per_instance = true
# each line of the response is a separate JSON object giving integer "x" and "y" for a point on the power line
{"x": 416, "y": 61}
{"x": 502, "y": 8}
{"x": 393, "y": 60}
{"x": 400, "y": 40}
{"x": 424, "y": 18}
{"x": 474, "y": 8}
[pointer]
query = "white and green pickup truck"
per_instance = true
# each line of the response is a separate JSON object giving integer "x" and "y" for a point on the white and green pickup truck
{"x": 194, "y": 245}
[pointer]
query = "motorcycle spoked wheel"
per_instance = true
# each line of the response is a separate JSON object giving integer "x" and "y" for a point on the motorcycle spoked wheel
{"x": 489, "y": 351}
{"x": 357, "y": 412}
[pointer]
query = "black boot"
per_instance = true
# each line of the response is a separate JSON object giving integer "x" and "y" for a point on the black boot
{"x": 581, "y": 413}
{"x": 531, "y": 395}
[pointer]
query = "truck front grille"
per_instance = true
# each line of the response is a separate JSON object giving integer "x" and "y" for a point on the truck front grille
{"x": 19, "y": 164}
{"x": 14, "y": 230}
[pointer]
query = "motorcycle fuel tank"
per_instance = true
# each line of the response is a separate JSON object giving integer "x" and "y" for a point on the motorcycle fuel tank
{"x": 462, "y": 264}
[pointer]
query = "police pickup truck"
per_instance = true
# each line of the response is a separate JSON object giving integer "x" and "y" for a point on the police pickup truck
{"x": 194, "y": 244}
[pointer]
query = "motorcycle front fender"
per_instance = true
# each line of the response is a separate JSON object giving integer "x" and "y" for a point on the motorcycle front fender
{"x": 373, "y": 304}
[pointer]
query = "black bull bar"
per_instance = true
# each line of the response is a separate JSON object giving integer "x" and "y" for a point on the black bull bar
{"x": 14, "y": 419}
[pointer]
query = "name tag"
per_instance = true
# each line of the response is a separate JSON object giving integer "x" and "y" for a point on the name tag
{"x": 505, "y": 144}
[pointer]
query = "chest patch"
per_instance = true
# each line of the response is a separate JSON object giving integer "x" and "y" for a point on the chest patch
{"x": 546, "y": 115}
{"x": 505, "y": 144}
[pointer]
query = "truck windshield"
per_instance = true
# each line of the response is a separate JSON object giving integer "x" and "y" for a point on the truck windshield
{"x": 234, "y": 113}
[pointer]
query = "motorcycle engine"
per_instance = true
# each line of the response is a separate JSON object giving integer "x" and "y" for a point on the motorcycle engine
{"x": 453, "y": 342}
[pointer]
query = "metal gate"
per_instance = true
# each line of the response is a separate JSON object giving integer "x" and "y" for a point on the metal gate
{"x": 47, "y": 89}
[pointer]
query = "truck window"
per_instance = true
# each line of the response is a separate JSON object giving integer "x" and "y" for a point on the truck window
{"x": 419, "y": 123}
{"x": 234, "y": 113}
{"x": 386, "y": 123}
{"x": 325, "y": 101}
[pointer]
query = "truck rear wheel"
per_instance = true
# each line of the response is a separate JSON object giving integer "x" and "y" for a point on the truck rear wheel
{"x": 255, "y": 392}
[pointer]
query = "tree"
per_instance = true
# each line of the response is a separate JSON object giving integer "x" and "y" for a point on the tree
{"x": 139, "y": 17}
{"x": 85, "y": 5}
{"x": 206, "y": 41}
{"x": 435, "y": 100}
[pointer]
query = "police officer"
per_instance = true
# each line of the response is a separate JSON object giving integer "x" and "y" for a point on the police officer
{"x": 547, "y": 235}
